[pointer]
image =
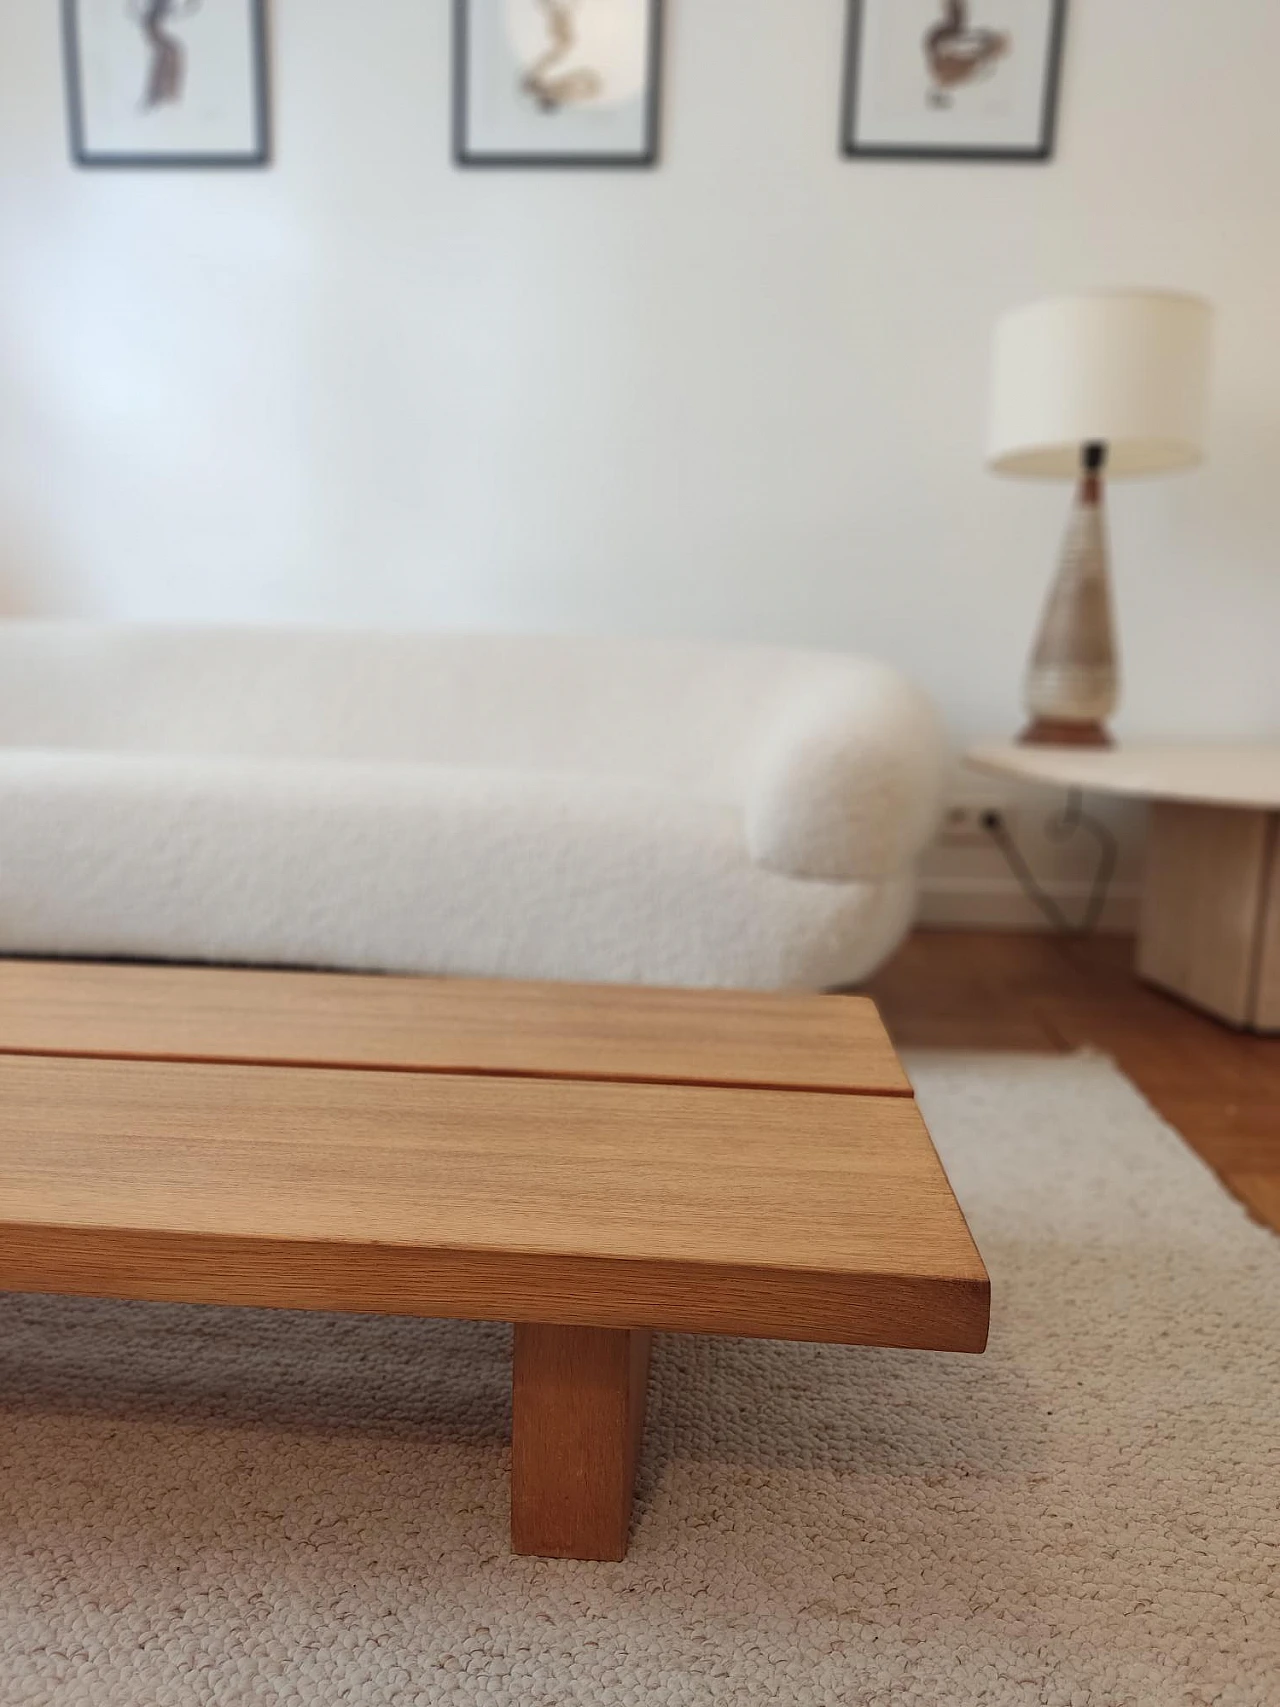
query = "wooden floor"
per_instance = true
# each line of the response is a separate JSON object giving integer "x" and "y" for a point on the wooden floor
{"x": 1002, "y": 990}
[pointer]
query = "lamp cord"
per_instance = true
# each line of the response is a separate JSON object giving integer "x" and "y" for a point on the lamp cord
{"x": 1062, "y": 827}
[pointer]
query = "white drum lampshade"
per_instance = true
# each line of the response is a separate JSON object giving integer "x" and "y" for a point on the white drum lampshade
{"x": 1114, "y": 382}
{"x": 1126, "y": 368}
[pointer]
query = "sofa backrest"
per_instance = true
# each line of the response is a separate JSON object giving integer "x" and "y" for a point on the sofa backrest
{"x": 676, "y": 712}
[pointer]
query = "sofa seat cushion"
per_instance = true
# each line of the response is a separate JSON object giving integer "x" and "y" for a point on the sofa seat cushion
{"x": 412, "y": 867}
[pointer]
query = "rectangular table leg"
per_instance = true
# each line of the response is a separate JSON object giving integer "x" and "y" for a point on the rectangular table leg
{"x": 577, "y": 1412}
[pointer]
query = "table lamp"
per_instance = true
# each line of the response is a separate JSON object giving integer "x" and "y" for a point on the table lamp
{"x": 1113, "y": 382}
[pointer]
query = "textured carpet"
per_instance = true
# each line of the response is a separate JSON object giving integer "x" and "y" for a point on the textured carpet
{"x": 228, "y": 1506}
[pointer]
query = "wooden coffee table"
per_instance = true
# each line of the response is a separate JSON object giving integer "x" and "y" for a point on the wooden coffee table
{"x": 587, "y": 1162}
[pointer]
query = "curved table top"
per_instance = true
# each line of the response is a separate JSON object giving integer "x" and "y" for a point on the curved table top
{"x": 1226, "y": 774}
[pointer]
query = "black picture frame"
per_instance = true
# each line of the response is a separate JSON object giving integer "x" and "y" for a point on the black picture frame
{"x": 1036, "y": 154}
{"x": 647, "y": 158}
{"x": 257, "y": 156}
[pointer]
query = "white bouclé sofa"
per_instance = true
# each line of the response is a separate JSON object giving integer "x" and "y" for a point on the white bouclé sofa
{"x": 648, "y": 811}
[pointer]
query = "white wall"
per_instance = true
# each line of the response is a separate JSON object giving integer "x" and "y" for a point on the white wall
{"x": 740, "y": 396}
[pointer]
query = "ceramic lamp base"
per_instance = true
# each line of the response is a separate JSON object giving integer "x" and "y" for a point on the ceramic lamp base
{"x": 1065, "y": 732}
{"x": 1072, "y": 681}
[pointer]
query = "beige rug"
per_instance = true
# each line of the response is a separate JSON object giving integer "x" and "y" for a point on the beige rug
{"x": 203, "y": 1506}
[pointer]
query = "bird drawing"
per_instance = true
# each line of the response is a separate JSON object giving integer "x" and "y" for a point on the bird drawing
{"x": 553, "y": 90}
{"x": 957, "y": 52}
{"x": 167, "y": 68}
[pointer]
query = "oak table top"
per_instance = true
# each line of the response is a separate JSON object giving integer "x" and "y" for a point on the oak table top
{"x": 447, "y": 1025}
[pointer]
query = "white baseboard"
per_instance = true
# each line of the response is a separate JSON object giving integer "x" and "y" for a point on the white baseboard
{"x": 998, "y": 903}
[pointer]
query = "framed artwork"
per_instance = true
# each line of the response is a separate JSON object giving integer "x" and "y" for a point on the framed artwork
{"x": 556, "y": 82}
{"x": 166, "y": 82}
{"x": 952, "y": 79}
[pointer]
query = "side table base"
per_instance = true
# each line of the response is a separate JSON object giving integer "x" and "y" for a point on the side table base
{"x": 1210, "y": 929}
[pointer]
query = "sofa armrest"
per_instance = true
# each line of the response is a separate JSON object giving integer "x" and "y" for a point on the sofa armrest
{"x": 847, "y": 784}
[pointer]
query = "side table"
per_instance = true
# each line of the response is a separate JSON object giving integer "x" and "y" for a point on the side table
{"x": 1210, "y": 914}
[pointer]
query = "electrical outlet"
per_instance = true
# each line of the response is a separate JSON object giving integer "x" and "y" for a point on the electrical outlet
{"x": 967, "y": 823}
